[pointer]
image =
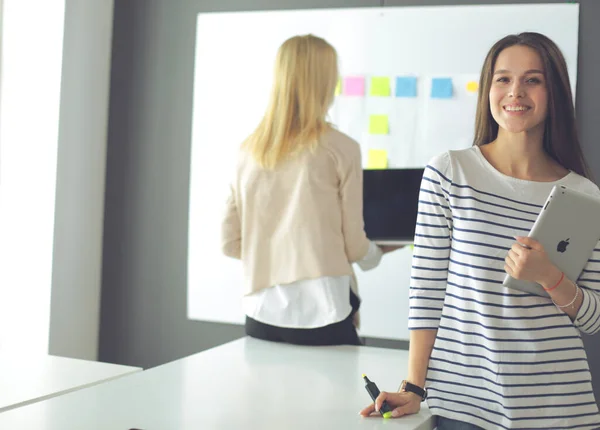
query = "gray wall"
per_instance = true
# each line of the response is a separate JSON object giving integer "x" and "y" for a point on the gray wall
{"x": 588, "y": 106}
{"x": 144, "y": 287}
{"x": 80, "y": 179}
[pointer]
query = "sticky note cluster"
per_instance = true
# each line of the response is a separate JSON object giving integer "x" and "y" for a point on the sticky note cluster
{"x": 379, "y": 86}
{"x": 404, "y": 86}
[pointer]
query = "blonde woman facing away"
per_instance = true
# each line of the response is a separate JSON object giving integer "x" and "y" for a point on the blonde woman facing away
{"x": 295, "y": 213}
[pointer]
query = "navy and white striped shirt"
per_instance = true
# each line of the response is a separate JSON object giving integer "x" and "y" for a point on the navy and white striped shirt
{"x": 502, "y": 359}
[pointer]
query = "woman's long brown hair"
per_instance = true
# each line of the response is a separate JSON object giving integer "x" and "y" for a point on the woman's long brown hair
{"x": 560, "y": 131}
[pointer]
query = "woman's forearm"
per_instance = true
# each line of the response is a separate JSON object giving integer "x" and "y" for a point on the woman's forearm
{"x": 564, "y": 292}
{"x": 421, "y": 344}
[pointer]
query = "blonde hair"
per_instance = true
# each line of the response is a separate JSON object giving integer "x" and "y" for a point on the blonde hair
{"x": 306, "y": 74}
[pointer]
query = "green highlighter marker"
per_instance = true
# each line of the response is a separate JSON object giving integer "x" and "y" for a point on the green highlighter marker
{"x": 385, "y": 410}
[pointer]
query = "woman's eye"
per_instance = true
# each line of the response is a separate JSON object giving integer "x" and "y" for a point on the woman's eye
{"x": 502, "y": 79}
{"x": 533, "y": 81}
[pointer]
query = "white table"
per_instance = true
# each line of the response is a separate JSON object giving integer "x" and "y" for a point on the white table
{"x": 246, "y": 384}
{"x": 24, "y": 380}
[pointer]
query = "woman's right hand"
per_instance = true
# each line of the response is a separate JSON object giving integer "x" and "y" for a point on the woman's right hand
{"x": 404, "y": 403}
{"x": 385, "y": 249}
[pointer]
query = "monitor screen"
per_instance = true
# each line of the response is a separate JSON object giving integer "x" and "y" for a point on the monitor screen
{"x": 391, "y": 199}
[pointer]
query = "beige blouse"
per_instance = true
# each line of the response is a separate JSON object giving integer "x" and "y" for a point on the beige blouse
{"x": 302, "y": 220}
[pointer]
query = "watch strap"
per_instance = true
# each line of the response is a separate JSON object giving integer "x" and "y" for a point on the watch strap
{"x": 412, "y": 388}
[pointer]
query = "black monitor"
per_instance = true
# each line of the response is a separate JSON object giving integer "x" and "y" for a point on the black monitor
{"x": 390, "y": 203}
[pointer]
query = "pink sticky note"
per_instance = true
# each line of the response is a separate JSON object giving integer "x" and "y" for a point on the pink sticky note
{"x": 354, "y": 86}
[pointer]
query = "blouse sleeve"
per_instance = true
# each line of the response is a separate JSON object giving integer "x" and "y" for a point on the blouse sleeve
{"x": 429, "y": 273}
{"x": 351, "y": 196}
{"x": 588, "y": 317}
{"x": 231, "y": 230}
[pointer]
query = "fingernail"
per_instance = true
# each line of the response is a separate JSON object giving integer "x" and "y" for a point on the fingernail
{"x": 376, "y": 408}
{"x": 395, "y": 413}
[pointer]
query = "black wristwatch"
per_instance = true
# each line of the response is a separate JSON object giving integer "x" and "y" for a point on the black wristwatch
{"x": 412, "y": 388}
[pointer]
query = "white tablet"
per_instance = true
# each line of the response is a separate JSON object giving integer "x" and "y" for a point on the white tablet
{"x": 568, "y": 227}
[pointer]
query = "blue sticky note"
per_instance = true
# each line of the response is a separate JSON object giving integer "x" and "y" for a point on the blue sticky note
{"x": 406, "y": 86}
{"x": 441, "y": 88}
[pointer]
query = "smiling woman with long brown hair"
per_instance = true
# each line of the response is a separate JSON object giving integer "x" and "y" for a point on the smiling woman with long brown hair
{"x": 485, "y": 356}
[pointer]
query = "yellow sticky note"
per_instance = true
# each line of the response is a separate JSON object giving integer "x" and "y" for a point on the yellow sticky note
{"x": 380, "y": 86}
{"x": 472, "y": 86}
{"x": 377, "y": 159}
{"x": 338, "y": 87}
{"x": 378, "y": 124}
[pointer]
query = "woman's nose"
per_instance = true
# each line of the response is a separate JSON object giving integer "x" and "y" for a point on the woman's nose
{"x": 517, "y": 90}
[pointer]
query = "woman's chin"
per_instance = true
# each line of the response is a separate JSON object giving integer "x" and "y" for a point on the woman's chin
{"x": 518, "y": 127}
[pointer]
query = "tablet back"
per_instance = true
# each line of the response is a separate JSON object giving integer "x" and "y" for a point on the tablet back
{"x": 568, "y": 227}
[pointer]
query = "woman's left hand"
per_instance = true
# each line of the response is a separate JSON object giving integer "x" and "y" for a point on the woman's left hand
{"x": 529, "y": 262}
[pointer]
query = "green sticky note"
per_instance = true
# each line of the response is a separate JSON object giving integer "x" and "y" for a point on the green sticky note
{"x": 378, "y": 124}
{"x": 380, "y": 86}
{"x": 338, "y": 87}
{"x": 377, "y": 159}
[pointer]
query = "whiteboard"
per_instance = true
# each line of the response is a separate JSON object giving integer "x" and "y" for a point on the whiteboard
{"x": 235, "y": 54}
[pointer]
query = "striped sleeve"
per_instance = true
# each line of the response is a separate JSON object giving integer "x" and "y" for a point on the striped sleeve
{"x": 431, "y": 255}
{"x": 588, "y": 318}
